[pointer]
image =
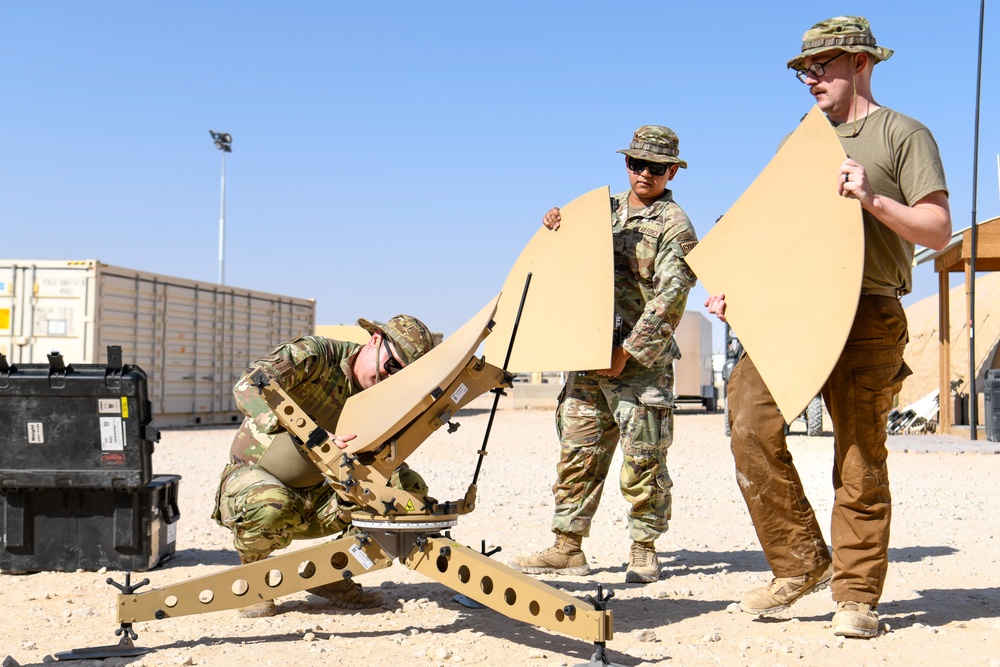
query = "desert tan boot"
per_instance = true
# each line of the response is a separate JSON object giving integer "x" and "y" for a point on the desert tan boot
{"x": 643, "y": 565}
{"x": 855, "y": 619}
{"x": 261, "y": 609}
{"x": 783, "y": 591}
{"x": 564, "y": 557}
{"x": 348, "y": 594}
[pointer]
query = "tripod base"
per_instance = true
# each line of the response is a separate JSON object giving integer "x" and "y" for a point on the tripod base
{"x": 123, "y": 649}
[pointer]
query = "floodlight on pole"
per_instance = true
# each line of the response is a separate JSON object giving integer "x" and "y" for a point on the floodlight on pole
{"x": 223, "y": 141}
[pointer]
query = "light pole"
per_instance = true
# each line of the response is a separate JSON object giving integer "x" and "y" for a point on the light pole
{"x": 223, "y": 141}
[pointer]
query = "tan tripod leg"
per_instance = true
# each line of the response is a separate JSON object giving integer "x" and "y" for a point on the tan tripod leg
{"x": 264, "y": 580}
{"x": 509, "y": 592}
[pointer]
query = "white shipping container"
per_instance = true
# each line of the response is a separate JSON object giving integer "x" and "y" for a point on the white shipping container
{"x": 693, "y": 371}
{"x": 193, "y": 339}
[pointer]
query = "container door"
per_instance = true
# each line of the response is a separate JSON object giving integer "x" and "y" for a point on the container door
{"x": 44, "y": 308}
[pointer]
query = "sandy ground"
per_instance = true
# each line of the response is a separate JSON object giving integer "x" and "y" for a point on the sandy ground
{"x": 941, "y": 604}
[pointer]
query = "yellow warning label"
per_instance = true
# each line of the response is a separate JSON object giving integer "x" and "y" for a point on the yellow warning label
{"x": 409, "y": 506}
{"x": 124, "y": 407}
{"x": 4, "y": 318}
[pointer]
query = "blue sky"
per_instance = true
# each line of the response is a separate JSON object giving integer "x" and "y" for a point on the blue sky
{"x": 396, "y": 157}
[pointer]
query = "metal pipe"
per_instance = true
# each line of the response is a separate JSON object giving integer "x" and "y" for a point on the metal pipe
{"x": 222, "y": 226}
{"x": 973, "y": 398}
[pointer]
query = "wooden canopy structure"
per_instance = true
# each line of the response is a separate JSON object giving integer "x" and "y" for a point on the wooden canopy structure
{"x": 957, "y": 257}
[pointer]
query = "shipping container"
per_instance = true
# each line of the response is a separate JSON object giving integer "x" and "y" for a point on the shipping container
{"x": 693, "y": 378}
{"x": 193, "y": 339}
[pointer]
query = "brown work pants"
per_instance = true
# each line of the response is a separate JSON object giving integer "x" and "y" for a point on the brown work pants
{"x": 858, "y": 395}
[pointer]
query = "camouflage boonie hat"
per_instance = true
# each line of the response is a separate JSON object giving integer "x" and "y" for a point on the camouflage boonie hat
{"x": 844, "y": 33}
{"x": 411, "y": 337}
{"x": 655, "y": 143}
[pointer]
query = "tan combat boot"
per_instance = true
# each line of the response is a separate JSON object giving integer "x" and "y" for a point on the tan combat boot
{"x": 348, "y": 594}
{"x": 855, "y": 619}
{"x": 643, "y": 565}
{"x": 564, "y": 557}
{"x": 782, "y": 592}
{"x": 261, "y": 609}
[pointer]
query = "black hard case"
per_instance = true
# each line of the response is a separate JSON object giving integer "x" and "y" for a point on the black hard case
{"x": 991, "y": 404}
{"x": 82, "y": 426}
{"x": 66, "y": 530}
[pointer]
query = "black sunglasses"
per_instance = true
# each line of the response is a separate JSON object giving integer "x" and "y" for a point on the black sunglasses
{"x": 636, "y": 165}
{"x": 391, "y": 364}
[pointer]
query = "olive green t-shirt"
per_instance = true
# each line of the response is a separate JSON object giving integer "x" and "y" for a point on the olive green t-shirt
{"x": 902, "y": 161}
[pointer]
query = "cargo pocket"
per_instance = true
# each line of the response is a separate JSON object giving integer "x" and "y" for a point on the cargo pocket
{"x": 579, "y": 420}
{"x": 874, "y": 388}
{"x": 220, "y": 495}
{"x": 659, "y": 404}
{"x": 656, "y": 397}
{"x": 646, "y": 453}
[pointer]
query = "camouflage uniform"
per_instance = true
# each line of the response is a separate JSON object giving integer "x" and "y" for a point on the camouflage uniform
{"x": 635, "y": 409}
{"x": 263, "y": 512}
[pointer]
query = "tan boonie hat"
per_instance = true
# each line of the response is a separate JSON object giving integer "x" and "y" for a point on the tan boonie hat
{"x": 844, "y": 33}
{"x": 655, "y": 143}
{"x": 411, "y": 337}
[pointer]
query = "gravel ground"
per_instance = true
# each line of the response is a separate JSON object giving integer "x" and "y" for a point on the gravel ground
{"x": 941, "y": 604}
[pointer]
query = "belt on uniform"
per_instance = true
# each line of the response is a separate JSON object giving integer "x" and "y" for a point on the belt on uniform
{"x": 894, "y": 292}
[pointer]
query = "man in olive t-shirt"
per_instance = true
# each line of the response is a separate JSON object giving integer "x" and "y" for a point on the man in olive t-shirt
{"x": 894, "y": 171}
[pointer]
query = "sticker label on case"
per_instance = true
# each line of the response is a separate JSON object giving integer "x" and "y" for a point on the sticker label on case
{"x": 109, "y": 406}
{"x": 35, "y": 433}
{"x": 112, "y": 434}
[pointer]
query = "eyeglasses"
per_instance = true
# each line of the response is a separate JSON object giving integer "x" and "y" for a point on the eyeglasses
{"x": 637, "y": 166}
{"x": 816, "y": 69}
{"x": 391, "y": 365}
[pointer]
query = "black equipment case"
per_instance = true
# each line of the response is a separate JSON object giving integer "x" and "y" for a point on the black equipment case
{"x": 991, "y": 403}
{"x": 86, "y": 529}
{"x": 85, "y": 426}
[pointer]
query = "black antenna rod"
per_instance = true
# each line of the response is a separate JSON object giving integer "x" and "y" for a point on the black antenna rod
{"x": 498, "y": 392}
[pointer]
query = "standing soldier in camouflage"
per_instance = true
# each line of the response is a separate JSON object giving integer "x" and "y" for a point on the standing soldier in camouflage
{"x": 630, "y": 404}
{"x": 895, "y": 172}
{"x": 271, "y": 493}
